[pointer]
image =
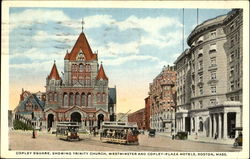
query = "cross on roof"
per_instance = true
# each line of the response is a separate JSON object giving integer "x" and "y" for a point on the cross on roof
{"x": 82, "y": 24}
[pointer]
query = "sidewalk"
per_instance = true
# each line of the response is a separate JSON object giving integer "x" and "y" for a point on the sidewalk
{"x": 203, "y": 139}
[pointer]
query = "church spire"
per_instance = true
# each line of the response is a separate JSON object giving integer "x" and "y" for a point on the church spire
{"x": 54, "y": 73}
{"x": 101, "y": 74}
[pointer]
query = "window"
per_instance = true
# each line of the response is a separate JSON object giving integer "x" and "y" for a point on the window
{"x": 103, "y": 97}
{"x": 200, "y": 52}
{"x": 232, "y": 42}
{"x": 213, "y": 89}
{"x": 231, "y": 98}
{"x": 237, "y": 98}
{"x": 98, "y": 97}
{"x": 213, "y": 102}
{"x": 213, "y": 34}
{"x": 213, "y": 61}
{"x": 232, "y": 85}
{"x": 201, "y": 90}
{"x": 231, "y": 71}
{"x": 200, "y": 65}
{"x": 200, "y": 126}
{"x": 81, "y": 68}
{"x": 201, "y": 103}
{"x": 213, "y": 75}
{"x": 238, "y": 83}
{"x": 212, "y": 48}
{"x": 200, "y": 40}
{"x": 231, "y": 56}
{"x": 231, "y": 27}
{"x": 201, "y": 77}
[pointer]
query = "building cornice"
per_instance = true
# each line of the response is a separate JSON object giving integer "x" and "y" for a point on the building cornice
{"x": 218, "y": 21}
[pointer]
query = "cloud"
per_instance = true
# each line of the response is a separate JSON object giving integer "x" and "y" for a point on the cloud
{"x": 35, "y": 16}
{"x": 122, "y": 60}
{"x": 150, "y": 24}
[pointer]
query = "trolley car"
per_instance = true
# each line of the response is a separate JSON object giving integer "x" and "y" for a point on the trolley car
{"x": 67, "y": 131}
{"x": 119, "y": 132}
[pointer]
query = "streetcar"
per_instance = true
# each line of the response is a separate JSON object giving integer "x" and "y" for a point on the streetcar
{"x": 119, "y": 132}
{"x": 68, "y": 131}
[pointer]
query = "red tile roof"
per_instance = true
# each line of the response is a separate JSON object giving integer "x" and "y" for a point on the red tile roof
{"x": 82, "y": 45}
{"x": 54, "y": 73}
{"x": 101, "y": 74}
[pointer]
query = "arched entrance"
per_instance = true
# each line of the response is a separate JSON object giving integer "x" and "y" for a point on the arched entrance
{"x": 100, "y": 120}
{"x": 50, "y": 120}
{"x": 75, "y": 117}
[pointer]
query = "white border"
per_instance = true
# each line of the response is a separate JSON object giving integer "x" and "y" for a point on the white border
{"x": 119, "y": 4}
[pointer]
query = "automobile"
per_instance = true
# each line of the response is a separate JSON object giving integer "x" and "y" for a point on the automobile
{"x": 181, "y": 135}
{"x": 151, "y": 132}
{"x": 141, "y": 132}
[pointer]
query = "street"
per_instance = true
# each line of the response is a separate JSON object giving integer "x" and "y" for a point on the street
{"x": 22, "y": 140}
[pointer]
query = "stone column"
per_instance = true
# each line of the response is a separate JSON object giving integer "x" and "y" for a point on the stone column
{"x": 219, "y": 128}
{"x": 191, "y": 122}
{"x": 215, "y": 125}
{"x": 237, "y": 123}
{"x": 225, "y": 125}
{"x": 183, "y": 128}
{"x": 196, "y": 124}
{"x": 210, "y": 125}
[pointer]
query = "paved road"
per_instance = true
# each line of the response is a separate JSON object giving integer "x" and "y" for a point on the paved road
{"x": 23, "y": 141}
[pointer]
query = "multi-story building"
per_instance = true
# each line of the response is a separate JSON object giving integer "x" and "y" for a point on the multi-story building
{"x": 81, "y": 95}
{"x": 162, "y": 93}
{"x": 183, "y": 91}
{"x": 215, "y": 59}
{"x": 147, "y": 113}
{"x": 138, "y": 117}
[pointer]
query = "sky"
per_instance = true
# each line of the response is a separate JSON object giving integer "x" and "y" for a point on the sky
{"x": 133, "y": 45}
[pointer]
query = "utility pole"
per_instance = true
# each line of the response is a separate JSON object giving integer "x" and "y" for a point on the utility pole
{"x": 124, "y": 115}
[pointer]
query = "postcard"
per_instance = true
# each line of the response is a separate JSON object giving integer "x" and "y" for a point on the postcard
{"x": 109, "y": 79}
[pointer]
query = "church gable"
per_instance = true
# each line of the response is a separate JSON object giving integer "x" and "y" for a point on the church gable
{"x": 81, "y": 50}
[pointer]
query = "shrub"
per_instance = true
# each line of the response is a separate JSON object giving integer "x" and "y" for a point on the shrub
{"x": 21, "y": 125}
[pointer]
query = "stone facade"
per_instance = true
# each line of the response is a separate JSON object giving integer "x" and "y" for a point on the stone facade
{"x": 214, "y": 62}
{"x": 147, "y": 113}
{"x": 183, "y": 83}
{"x": 162, "y": 100}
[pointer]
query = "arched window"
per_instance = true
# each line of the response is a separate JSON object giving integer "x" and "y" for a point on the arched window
{"x": 201, "y": 126}
{"x": 50, "y": 97}
{"x": 98, "y": 97}
{"x": 83, "y": 99}
{"x": 55, "y": 97}
{"x": 65, "y": 99}
{"x": 71, "y": 99}
{"x": 81, "y": 67}
{"x": 89, "y": 100}
{"x": 77, "y": 99}
{"x": 104, "y": 97}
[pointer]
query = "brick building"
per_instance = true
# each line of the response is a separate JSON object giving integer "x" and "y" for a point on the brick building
{"x": 138, "y": 117}
{"x": 162, "y": 100}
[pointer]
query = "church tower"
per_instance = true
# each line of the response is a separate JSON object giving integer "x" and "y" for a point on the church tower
{"x": 53, "y": 83}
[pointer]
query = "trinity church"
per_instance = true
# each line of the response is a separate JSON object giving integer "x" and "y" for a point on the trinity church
{"x": 81, "y": 94}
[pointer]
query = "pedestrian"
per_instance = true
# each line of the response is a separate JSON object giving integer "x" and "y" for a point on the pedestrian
{"x": 33, "y": 134}
{"x": 215, "y": 136}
